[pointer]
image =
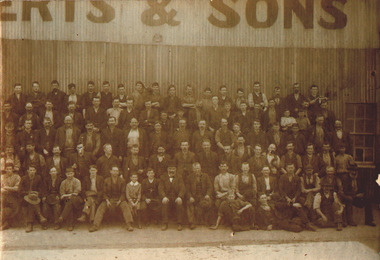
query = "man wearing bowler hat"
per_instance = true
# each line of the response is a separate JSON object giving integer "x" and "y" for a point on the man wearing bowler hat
{"x": 354, "y": 195}
{"x": 30, "y": 188}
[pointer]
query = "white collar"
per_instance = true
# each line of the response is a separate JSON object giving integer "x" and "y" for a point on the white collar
{"x": 134, "y": 184}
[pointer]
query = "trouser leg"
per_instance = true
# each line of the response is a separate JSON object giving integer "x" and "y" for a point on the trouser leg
{"x": 165, "y": 209}
{"x": 127, "y": 214}
{"x": 190, "y": 210}
{"x": 348, "y": 210}
{"x": 300, "y": 212}
{"x": 180, "y": 211}
{"x": 100, "y": 213}
{"x": 336, "y": 215}
{"x": 56, "y": 211}
{"x": 30, "y": 213}
{"x": 46, "y": 210}
{"x": 67, "y": 208}
{"x": 288, "y": 225}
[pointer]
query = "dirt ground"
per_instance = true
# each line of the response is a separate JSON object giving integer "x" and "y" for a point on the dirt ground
{"x": 114, "y": 242}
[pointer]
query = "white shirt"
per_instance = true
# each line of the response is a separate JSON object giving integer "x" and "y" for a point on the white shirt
{"x": 133, "y": 137}
{"x": 267, "y": 185}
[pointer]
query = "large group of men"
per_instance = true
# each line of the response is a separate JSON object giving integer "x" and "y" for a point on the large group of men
{"x": 245, "y": 160}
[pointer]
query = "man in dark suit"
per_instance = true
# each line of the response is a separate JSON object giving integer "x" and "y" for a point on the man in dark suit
{"x": 81, "y": 162}
{"x": 294, "y": 100}
{"x": 105, "y": 96}
{"x": 90, "y": 139}
{"x": 159, "y": 161}
{"x": 45, "y": 138}
{"x": 37, "y": 98}
{"x": 67, "y": 137}
{"x": 87, "y": 97}
{"x": 298, "y": 139}
{"x": 134, "y": 163}
{"x": 96, "y": 114}
{"x": 18, "y": 100}
{"x": 7, "y": 115}
{"x": 196, "y": 114}
{"x": 107, "y": 161}
{"x": 208, "y": 160}
{"x": 257, "y": 161}
{"x": 198, "y": 196}
{"x": 30, "y": 188}
{"x": 52, "y": 114}
{"x": 313, "y": 160}
{"x": 244, "y": 117}
{"x": 318, "y": 134}
{"x": 270, "y": 116}
{"x": 150, "y": 199}
{"x": 148, "y": 117}
{"x": 114, "y": 194}
{"x": 27, "y": 134}
{"x": 127, "y": 114}
{"x": 50, "y": 197}
{"x": 340, "y": 137}
{"x": 275, "y": 136}
{"x": 184, "y": 159}
{"x": 72, "y": 96}
{"x": 113, "y": 136}
{"x": 328, "y": 115}
{"x": 354, "y": 195}
{"x": 60, "y": 163}
{"x": 29, "y": 115}
{"x": 233, "y": 161}
{"x": 156, "y": 137}
{"x": 326, "y": 158}
{"x": 172, "y": 192}
{"x": 56, "y": 96}
{"x": 76, "y": 116}
{"x": 280, "y": 102}
{"x": 267, "y": 184}
{"x": 290, "y": 190}
{"x": 92, "y": 193}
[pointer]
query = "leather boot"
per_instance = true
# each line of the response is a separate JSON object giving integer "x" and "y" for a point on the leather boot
{"x": 29, "y": 227}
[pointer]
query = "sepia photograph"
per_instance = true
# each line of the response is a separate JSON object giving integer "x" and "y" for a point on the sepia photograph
{"x": 190, "y": 129}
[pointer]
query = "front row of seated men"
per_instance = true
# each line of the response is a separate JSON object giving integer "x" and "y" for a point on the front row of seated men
{"x": 291, "y": 202}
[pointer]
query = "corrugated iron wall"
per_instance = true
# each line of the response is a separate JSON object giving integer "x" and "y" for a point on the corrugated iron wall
{"x": 346, "y": 73}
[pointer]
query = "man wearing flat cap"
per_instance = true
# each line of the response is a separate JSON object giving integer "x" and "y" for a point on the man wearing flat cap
{"x": 328, "y": 207}
{"x": 172, "y": 191}
{"x": 30, "y": 189}
{"x": 69, "y": 190}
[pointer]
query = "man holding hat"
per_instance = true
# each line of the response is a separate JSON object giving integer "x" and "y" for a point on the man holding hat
{"x": 51, "y": 198}
{"x": 93, "y": 192}
{"x": 69, "y": 190}
{"x": 198, "y": 196}
{"x": 30, "y": 188}
{"x": 172, "y": 191}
